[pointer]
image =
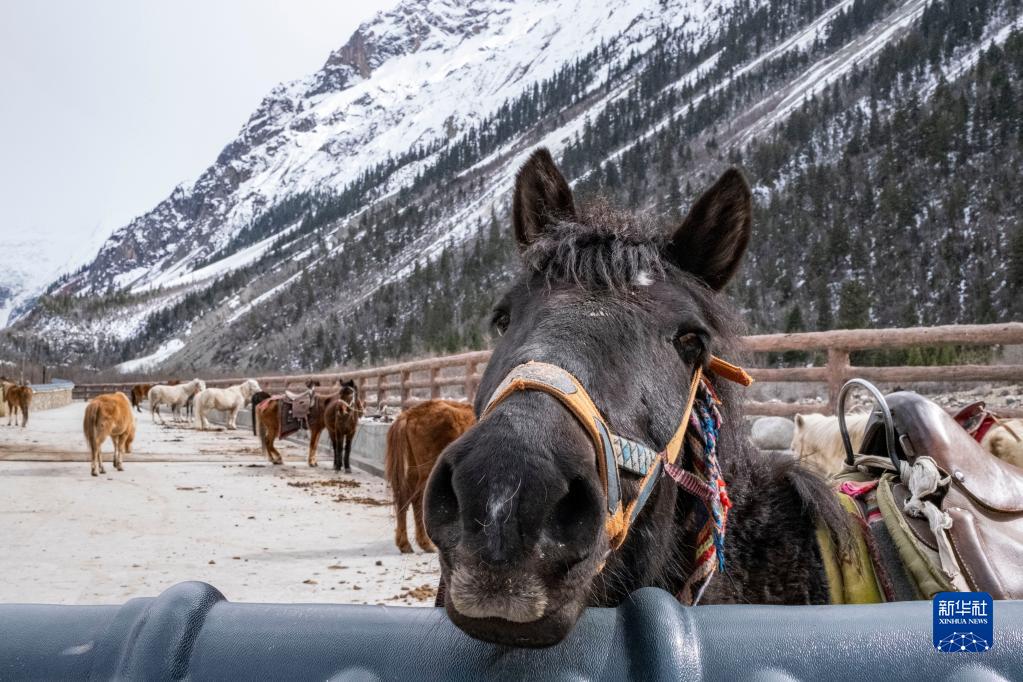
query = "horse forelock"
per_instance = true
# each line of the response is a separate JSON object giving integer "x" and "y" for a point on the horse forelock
{"x": 602, "y": 249}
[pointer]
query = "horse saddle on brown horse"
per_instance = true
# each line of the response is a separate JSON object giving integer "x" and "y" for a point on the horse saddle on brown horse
{"x": 952, "y": 510}
{"x": 294, "y": 411}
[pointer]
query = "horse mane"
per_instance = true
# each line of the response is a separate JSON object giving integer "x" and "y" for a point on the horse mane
{"x": 603, "y": 248}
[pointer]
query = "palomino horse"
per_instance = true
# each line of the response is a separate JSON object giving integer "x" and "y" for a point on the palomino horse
{"x": 817, "y": 442}
{"x": 109, "y": 416}
{"x": 537, "y": 510}
{"x": 177, "y": 396}
{"x": 231, "y": 400}
{"x": 18, "y": 398}
{"x": 414, "y": 442}
{"x": 139, "y": 392}
{"x": 341, "y": 421}
{"x": 269, "y": 426}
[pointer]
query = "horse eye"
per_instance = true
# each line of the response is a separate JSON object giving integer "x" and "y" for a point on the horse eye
{"x": 500, "y": 322}
{"x": 691, "y": 346}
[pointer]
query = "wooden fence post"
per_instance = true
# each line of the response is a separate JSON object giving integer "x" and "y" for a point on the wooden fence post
{"x": 434, "y": 387}
{"x": 406, "y": 391}
{"x": 469, "y": 384}
{"x": 838, "y": 370}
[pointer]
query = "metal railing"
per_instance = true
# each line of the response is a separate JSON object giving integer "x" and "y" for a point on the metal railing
{"x": 458, "y": 376}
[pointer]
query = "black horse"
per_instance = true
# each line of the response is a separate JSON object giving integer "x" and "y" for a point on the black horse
{"x": 516, "y": 505}
{"x": 257, "y": 398}
{"x": 342, "y": 421}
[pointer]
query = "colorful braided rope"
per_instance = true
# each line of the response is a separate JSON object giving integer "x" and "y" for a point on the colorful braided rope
{"x": 705, "y": 422}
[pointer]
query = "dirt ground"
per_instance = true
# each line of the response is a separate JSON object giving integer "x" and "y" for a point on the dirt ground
{"x": 192, "y": 505}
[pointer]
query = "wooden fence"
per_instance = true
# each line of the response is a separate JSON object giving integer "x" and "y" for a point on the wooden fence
{"x": 458, "y": 376}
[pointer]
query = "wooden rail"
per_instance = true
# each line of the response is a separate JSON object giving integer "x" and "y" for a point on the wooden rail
{"x": 458, "y": 376}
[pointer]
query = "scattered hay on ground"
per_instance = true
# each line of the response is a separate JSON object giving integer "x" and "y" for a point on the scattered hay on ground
{"x": 422, "y": 593}
{"x": 326, "y": 483}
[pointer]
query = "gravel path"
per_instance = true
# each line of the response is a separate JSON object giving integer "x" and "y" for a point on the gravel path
{"x": 192, "y": 506}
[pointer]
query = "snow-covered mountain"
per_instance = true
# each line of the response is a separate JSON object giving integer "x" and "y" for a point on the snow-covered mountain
{"x": 413, "y": 77}
{"x": 390, "y": 168}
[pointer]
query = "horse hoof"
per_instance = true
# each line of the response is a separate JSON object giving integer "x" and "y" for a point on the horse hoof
{"x": 313, "y": 464}
{"x": 407, "y": 549}
{"x": 429, "y": 550}
{"x": 348, "y": 470}
{"x": 95, "y": 473}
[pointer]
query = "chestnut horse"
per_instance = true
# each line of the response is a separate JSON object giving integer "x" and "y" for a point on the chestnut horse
{"x": 414, "y": 442}
{"x": 17, "y": 398}
{"x": 269, "y": 425}
{"x": 109, "y": 416}
{"x": 536, "y": 514}
{"x": 341, "y": 420}
{"x": 139, "y": 392}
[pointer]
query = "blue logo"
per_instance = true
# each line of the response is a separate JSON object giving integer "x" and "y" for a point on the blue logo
{"x": 963, "y": 621}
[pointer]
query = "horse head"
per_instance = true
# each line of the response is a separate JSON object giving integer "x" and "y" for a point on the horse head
{"x": 249, "y": 388}
{"x": 517, "y": 505}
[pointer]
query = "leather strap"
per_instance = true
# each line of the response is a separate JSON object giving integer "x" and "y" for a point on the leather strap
{"x": 613, "y": 452}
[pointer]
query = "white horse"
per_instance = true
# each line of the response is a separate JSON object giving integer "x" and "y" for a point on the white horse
{"x": 175, "y": 396}
{"x": 231, "y": 400}
{"x": 817, "y": 441}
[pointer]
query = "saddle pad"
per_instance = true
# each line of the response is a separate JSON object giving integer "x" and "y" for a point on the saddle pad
{"x": 290, "y": 421}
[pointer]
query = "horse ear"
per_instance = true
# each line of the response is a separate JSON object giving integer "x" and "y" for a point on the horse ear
{"x": 800, "y": 422}
{"x": 713, "y": 237}
{"x": 542, "y": 198}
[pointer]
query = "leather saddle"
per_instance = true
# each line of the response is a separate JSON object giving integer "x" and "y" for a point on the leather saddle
{"x": 299, "y": 402}
{"x": 981, "y": 495}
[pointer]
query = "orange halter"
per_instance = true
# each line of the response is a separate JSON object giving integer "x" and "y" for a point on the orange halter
{"x": 613, "y": 452}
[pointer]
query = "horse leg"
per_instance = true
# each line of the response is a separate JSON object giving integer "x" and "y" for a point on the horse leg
{"x": 348, "y": 452}
{"x": 232, "y": 422}
{"x": 94, "y": 448}
{"x": 422, "y": 539}
{"x": 335, "y": 446}
{"x": 314, "y": 441}
{"x": 268, "y": 438}
{"x": 400, "y": 530}
{"x": 118, "y": 452}
{"x": 24, "y": 414}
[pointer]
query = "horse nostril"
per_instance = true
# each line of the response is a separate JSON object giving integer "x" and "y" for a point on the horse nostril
{"x": 576, "y": 515}
{"x": 441, "y": 501}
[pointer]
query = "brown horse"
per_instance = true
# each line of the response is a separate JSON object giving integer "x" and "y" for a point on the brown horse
{"x": 414, "y": 442}
{"x": 109, "y": 416}
{"x": 139, "y": 392}
{"x": 268, "y": 422}
{"x": 17, "y": 397}
{"x": 342, "y": 420}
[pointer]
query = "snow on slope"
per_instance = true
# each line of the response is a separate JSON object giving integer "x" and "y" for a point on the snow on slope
{"x": 417, "y": 74}
{"x": 150, "y": 361}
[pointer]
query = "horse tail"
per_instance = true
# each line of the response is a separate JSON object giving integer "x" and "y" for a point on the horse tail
{"x": 399, "y": 449}
{"x": 255, "y": 421}
{"x": 26, "y": 400}
{"x": 91, "y": 427}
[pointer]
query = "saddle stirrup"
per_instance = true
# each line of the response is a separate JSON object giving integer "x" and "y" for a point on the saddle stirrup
{"x": 886, "y": 415}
